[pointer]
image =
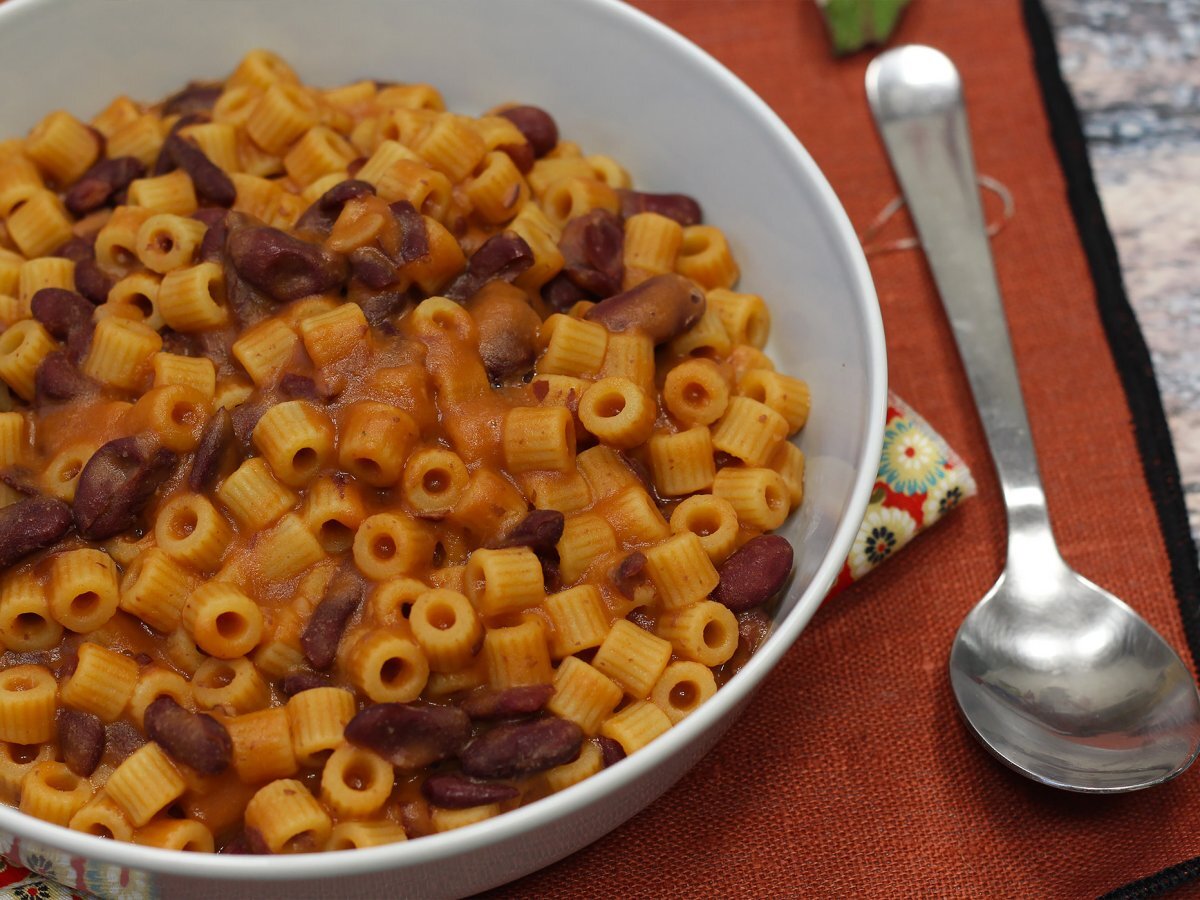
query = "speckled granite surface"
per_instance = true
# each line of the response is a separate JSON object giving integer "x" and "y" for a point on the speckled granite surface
{"x": 1134, "y": 68}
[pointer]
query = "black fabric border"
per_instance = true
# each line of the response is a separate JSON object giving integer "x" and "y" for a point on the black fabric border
{"x": 1133, "y": 363}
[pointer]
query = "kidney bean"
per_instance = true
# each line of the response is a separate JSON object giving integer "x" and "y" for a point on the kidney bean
{"x": 197, "y": 96}
{"x": 101, "y": 183}
{"x": 379, "y": 307}
{"x": 680, "y": 207}
{"x": 630, "y": 572}
{"x": 371, "y": 266}
{"x": 561, "y": 293}
{"x": 508, "y": 703}
{"x": 165, "y": 161}
{"x": 245, "y": 417}
{"x": 21, "y": 480}
{"x": 508, "y": 331}
{"x": 60, "y": 311}
{"x": 281, "y": 266}
{"x": 92, "y": 281}
{"x": 551, "y": 572}
{"x": 540, "y": 530}
{"x": 210, "y": 182}
{"x": 409, "y": 735}
{"x": 298, "y": 387}
{"x": 355, "y": 165}
{"x": 754, "y": 573}
{"x": 538, "y": 127}
{"x": 610, "y": 751}
{"x": 320, "y": 216}
{"x": 522, "y": 748}
{"x": 300, "y": 680}
{"x": 521, "y": 154}
{"x": 661, "y": 307}
{"x": 642, "y": 619}
{"x": 503, "y": 256}
{"x": 217, "y": 454}
{"x": 247, "y": 842}
{"x": 123, "y": 739}
{"x": 323, "y": 632}
{"x": 453, "y": 791}
{"x": 57, "y": 379}
{"x": 194, "y": 739}
{"x": 117, "y": 483}
{"x": 593, "y": 248}
{"x": 77, "y": 249}
{"x": 414, "y": 237}
{"x": 80, "y": 740}
{"x": 212, "y": 246}
{"x": 29, "y": 525}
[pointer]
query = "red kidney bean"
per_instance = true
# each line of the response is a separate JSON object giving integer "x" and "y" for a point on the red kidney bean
{"x": 380, "y": 307}
{"x": 60, "y": 311}
{"x": 117, "y": 483}
{"x": 521, "y": 154}
{"x": 371, "y": 266}
{"x": 320, "y": 216}
{"x": 298, "y": 387}
{"x": 21, "y": 480}
{"x": 80, "y": 740}
{"x": 300, "y": 680}
{"x": 414, "y": 236}
{"x": 245, "y": 417}
{"x": 538, "y": 127}
{"x": 101, "y": 183}
{"x": 77, "y": 249}
{"x": 503, "y": 256}
{"x": 355, "y": 165}
{"x": 57, "y": 380}
{"x": 540, "y": 530}
{"x": 210, "y": 182}
{"x": 508, "y": 332}
{"x": 630, "y": 572}
{"x": 593, "y": 248}
{"x": 509, "y": 703}
{"x": 194, "y": 739}
{"x": 610, "y": 751}
{"x": 30, "y": 525}
{"x": 92, "y": 281}
{"x": 165, "y": 161}
{"x": 218, "y": 220}
{"x": 217, "y": 454}
{"x": 522, "y": 748}
{"x": 281, "y": 266}
{"x": 452, "y": 791}
{"x": 561, "y": 293}
{"x": 196, "y": 96}
{"x": 323, "y": 633}
{"x": 551, "y": 573}
{"x": 123, "y": 739}
{"x": 754, "y": 573}
{"x": 661, "y": 307}
{"x": 410, "y": 735}
{"x": 680, "y": 207}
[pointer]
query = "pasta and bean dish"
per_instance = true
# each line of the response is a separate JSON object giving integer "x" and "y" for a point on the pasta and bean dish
{"x": 366, "y": 469}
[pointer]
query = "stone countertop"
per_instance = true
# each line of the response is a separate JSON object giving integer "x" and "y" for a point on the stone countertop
{"x": 1134, "y": 69}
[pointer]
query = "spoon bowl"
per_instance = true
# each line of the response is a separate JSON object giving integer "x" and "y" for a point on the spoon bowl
{"x": 1059, "y": 679}
{"x": 1066, "y": 684}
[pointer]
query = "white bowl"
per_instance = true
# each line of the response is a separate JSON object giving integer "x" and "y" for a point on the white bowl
{"x": 622, "y": 84}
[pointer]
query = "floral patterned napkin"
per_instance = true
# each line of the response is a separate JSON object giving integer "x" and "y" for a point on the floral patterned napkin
{"x": 920, "y": 480}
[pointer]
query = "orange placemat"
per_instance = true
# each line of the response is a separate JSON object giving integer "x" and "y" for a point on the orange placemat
{"x": 850, "y": 774}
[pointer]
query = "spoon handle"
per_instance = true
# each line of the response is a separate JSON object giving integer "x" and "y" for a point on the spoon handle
{"x": 916, "y": 97}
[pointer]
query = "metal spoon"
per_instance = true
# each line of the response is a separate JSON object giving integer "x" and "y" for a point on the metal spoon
{"x": 1058, "y": 678}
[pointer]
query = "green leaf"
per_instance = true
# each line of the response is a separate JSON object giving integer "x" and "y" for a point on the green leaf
{"x": 853, "y": 24}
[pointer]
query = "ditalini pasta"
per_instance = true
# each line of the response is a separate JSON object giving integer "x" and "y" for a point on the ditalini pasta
{"x": 366, "y": 469}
